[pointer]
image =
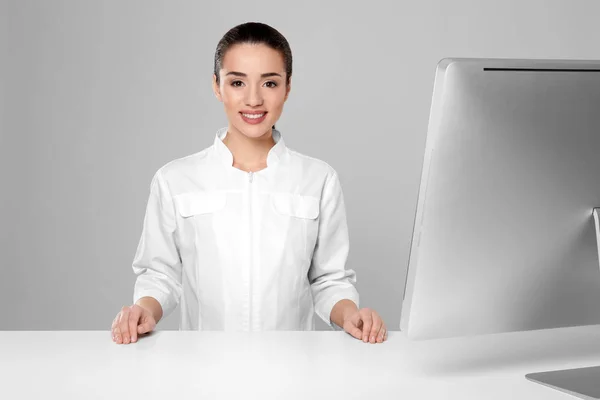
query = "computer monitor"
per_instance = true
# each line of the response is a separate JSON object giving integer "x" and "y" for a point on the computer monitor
{"x": 504, "y": 236}
{"x": 506, "y": 233}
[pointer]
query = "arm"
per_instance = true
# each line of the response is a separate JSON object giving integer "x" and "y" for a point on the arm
{"x": 157, "y": 263}
{"x": 331, "y": 282}
{"x": 336, "y": 299}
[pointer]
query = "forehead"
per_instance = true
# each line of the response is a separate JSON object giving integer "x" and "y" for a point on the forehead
{"x": 253, "y": 59}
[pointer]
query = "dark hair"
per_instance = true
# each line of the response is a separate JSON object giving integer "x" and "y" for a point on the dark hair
{"x": 254, "y": 33}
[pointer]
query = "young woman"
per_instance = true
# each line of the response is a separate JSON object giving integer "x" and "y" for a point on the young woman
{"x": 247, "y": 234}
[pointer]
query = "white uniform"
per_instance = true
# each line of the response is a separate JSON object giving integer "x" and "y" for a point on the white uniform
{"x": 245, "y": 251}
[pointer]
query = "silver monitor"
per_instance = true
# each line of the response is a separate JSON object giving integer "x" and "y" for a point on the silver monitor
{"x": 505, "y": 234}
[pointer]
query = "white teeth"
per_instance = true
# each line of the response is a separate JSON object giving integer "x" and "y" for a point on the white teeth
{"x": 253, "y": 116}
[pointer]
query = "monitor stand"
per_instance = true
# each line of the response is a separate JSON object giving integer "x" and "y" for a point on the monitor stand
{"x": 583, "y": 383}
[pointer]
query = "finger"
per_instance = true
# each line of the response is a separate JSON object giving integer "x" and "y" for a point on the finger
{"x": 134, "y": 317}
{"x": 385, "y": 335}
{"x": 367, "y": 323}
{"x": 375, "y": 328}
{"x": 143, "y": 328}
{"x": 351, "y": 325}
{"x": 356, "y": 332}
{"x": 381, "y": 334}
{"x": 124, "y": 324}
{"x": 117, "y": 332}
{"x": 112, "y": 328}
{"x": 147, "y": 326}
{"x": 352, "y": 329}
{"x": 114, "y": 322}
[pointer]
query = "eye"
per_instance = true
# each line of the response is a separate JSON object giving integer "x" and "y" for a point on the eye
{"x": 234, "y": 83}
{"x": 274, "y": 84}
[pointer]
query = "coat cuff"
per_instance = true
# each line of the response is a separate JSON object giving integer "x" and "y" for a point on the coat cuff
{"x": 324, "y": 309}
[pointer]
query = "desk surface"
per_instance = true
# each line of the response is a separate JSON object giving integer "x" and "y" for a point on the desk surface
{"x": 287, "y": 365}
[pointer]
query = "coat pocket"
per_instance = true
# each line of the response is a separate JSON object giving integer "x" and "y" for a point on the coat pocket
{"x": 198, "y": 203}
{"x": 201, "y": 216}
{"x": 296, "y": 205}
{"x": 299, "y": 216}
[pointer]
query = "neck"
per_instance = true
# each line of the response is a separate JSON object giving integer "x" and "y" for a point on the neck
{"x": 249, "y": 154}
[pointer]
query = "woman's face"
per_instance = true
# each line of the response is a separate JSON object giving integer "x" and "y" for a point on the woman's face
{"x": 252, "y": 88}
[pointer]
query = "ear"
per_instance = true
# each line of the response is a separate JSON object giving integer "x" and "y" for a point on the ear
{"x": 216, "y": 88}
{"x": 287, "y": 89}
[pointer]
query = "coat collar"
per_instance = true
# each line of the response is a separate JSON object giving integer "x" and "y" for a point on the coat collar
{"x": 224, "y": 155}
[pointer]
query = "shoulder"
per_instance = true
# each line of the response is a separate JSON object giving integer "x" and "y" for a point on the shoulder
{"x": 311, "y": 165}
{"x": 183, "y": 165}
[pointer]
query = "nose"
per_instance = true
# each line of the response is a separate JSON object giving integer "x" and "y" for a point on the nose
{"x": 253, "y": 97}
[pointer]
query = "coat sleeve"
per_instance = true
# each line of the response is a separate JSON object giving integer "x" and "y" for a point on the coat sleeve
{"x": 330, "y": 280}
{"x": 157, "y": 262}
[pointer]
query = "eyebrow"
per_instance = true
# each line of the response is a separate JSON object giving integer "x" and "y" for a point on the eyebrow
{"x": 268, "y": 74}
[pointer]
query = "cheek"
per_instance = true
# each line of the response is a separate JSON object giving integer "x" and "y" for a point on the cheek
{"x": 229, "y": 107}
{"x": 276, "y": 100}
{"x": 230, "y": 98}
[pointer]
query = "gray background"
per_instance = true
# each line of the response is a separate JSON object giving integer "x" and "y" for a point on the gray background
{"x": 97, "y": 95}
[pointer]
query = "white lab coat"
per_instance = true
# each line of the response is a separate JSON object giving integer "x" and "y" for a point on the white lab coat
{"x": 245, "y": 251}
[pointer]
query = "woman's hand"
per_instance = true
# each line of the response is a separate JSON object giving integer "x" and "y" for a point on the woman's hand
{"x": 130, "y": 322}
{"x": 366, "y": 325}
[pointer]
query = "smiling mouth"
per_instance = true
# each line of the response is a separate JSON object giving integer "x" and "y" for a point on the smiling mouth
{"x": 254, "y": 115}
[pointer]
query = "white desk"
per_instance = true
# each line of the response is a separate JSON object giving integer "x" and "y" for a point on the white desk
{"x": 287, "y": 365}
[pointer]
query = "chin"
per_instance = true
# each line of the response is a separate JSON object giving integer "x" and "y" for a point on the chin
{"x": 257, "y": 131}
